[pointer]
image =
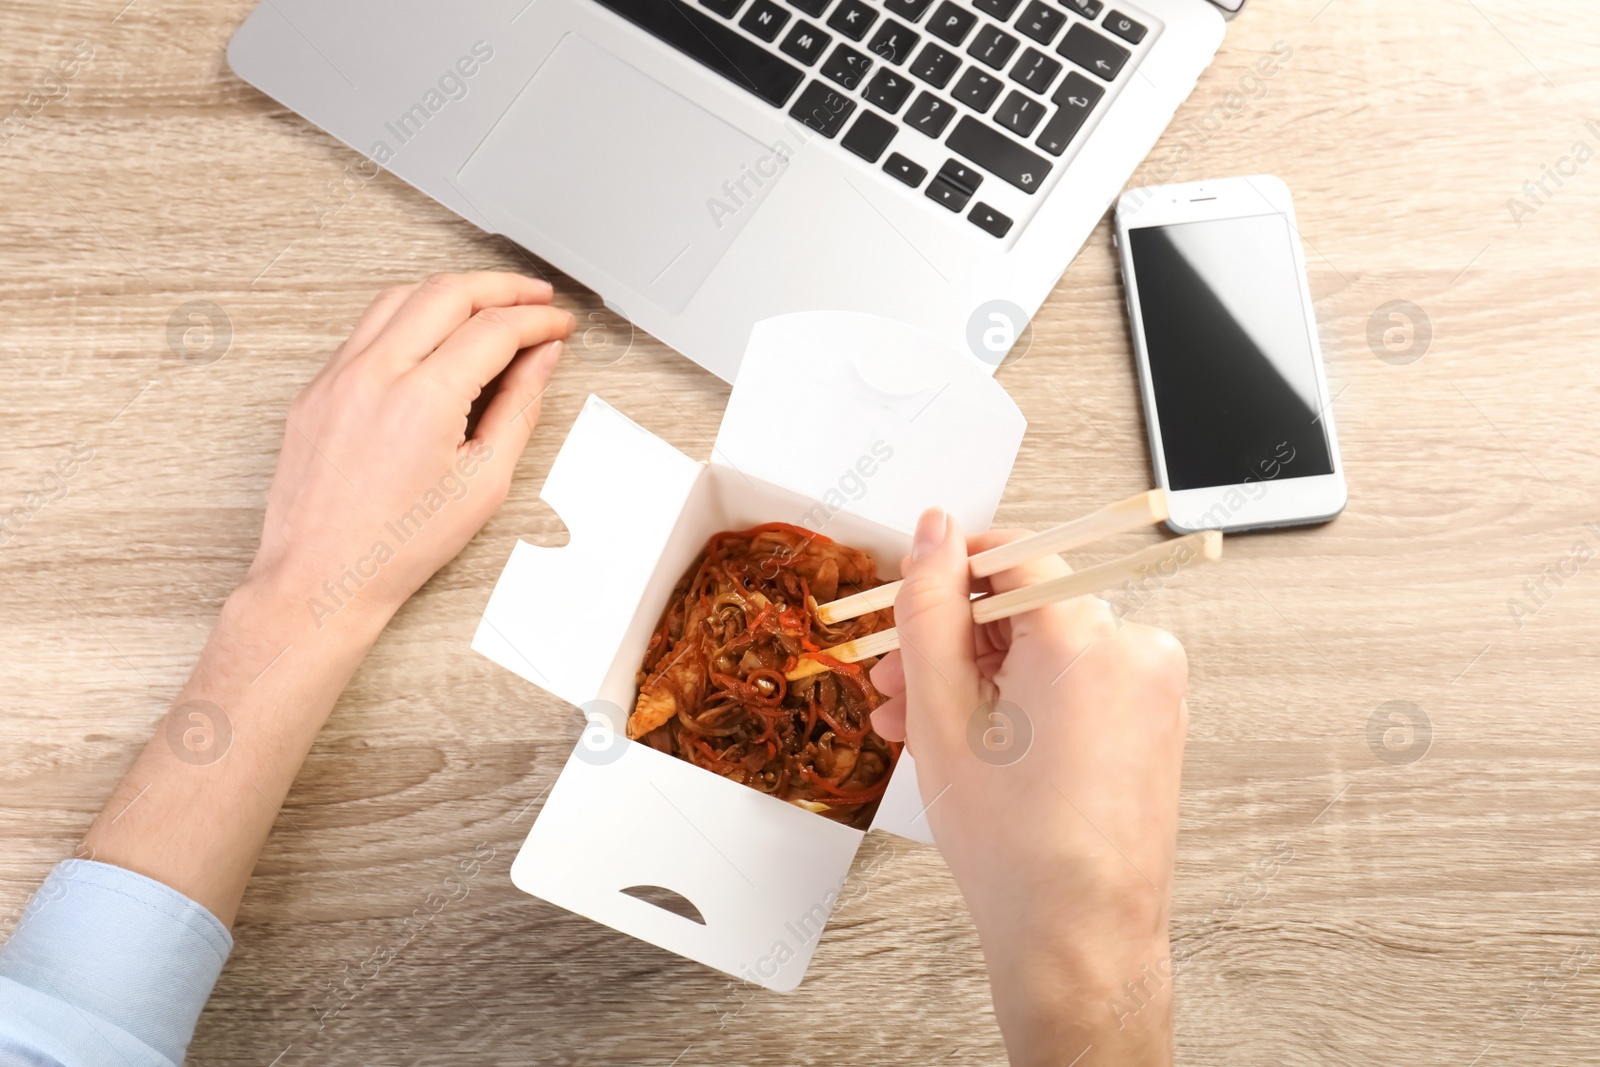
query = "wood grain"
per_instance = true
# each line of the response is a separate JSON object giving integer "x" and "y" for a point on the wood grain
{"x": 1333, "y": 907}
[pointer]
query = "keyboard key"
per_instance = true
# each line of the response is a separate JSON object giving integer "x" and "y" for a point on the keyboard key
{"x": 992, "y": 46}
{"x": 934, "y": 65}
{"x": 715, "y": 45}
{"x": 1093, "y": 52}
{"x": 909, "y": 9}
{"x": 805, "y": 43}
{"x": 998, "y": 154}
{"x": 1035, "y": 70}
{"x": 853, "y": 19}
{"x": 888, "y": 90}
{"x": 870, "y": 136}
{"x": 765, "y": 19}
{"x": 977, "y": 90}
{"x": 1040, "y": 22}
{"x": 823, "y": 109}
{"x": 947, "y": 195}
{"x": 950, "y": 23}
{"x": 814, "y": 8}
{"x": 846, "y": 66}
{"x": 893, "y": 42}
{"x": 1124, "y": 27}
{"x": 1075, "y": 99}
{"x": 1089, "y": 9}
{"x": 726, "y": 8}
{"x": 1078, "y": 92}
{"x": 930, "y": 115}
{"x": 1000, "y": 9}
{"x": 1019, "y": 113}
{"x": 961, "y": 176}
{"x": 905, "y": 170}
{"x": 989, "y": 220}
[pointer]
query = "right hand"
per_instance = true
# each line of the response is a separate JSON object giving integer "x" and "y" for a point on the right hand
{"x": 1064, "y": 849}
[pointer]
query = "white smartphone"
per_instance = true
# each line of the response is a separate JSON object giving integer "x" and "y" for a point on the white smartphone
{"x": 1235, "y": 398}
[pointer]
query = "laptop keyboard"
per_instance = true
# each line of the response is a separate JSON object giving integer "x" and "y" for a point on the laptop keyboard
{"x": 998, "y": 90}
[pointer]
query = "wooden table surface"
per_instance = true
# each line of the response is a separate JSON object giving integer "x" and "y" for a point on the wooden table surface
{"x": 1350, "y": 890}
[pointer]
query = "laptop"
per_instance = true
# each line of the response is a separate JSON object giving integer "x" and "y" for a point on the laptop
{"x": 706, "y": 164}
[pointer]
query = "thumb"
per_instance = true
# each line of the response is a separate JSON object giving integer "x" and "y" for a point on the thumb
{"x": 934, "y": 616}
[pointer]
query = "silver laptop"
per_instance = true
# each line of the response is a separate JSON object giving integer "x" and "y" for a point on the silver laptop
{"x": 705, "y": 164}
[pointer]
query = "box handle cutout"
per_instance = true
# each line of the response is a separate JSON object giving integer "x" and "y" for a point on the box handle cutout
{"x": 666, "y": 900}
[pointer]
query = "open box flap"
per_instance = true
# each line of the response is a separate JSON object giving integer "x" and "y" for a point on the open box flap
{"x": 620, "y": 490}
{"x": 762, "y": 876}
{"x": 872, "y": 417}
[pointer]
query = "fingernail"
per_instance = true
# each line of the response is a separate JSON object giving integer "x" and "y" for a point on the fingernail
{"x": 930, "y": 533}
{"x": 548, "y": 288}
{"x": 552, "y": 354}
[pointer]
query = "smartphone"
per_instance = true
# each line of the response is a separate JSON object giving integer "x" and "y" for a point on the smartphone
{"x": 1235, "y": 398}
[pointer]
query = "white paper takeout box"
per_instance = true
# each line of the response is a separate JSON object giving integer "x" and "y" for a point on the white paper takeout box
{"x": 844, "y": 423}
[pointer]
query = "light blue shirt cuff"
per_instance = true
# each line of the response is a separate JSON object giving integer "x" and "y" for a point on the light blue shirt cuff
{"x": 107, "y": 966}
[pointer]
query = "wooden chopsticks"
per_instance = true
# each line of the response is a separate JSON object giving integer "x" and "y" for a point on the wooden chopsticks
{"x": 1145, "y": 509}
{"x": 1121, "y": 517}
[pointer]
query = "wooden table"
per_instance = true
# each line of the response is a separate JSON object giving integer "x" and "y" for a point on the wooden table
{"x": 1350, "y": 889}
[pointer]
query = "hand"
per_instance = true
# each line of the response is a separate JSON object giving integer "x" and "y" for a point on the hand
{"x": 1063, "y": 851}
{"x": 378, "y": 486}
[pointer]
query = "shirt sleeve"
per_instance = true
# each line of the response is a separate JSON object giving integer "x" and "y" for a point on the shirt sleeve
{"x": 107, "y": 967}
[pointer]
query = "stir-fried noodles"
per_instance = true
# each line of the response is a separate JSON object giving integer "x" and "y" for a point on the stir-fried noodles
{"x": 712, "y": 687}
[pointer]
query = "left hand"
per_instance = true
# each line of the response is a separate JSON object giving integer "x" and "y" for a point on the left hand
{"x": 378, "y": 485}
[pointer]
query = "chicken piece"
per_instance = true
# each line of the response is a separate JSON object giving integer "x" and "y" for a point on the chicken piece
{"x": 825, "y": 582}
{"x": 850, "y": 566}
{"x": 683, "y": 673}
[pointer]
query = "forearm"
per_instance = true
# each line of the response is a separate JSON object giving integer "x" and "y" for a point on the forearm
{"x": 379, "y": 484}
{"x": 196, "y": 807}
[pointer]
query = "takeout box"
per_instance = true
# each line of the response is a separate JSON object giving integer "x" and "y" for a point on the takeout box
{"x": 843, "y": 423}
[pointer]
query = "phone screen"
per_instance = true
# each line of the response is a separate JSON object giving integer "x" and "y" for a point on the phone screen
{"x": 1230, "y": 351}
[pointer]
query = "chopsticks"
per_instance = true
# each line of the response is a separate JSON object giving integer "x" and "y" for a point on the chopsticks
{"x": 1119, "y": 517}
{"x": 1144, "y": 509}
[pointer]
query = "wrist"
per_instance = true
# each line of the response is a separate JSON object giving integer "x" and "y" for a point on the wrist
{"x": 297, "y": 598}
{"x": 267, "y": 652}
{"x": 1064, "y": 989}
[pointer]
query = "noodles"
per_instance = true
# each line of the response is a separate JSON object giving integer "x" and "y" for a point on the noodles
{"x": 712, "y": 689}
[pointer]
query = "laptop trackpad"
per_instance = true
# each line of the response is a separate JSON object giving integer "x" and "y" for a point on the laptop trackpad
{"x": 600, "y": 158}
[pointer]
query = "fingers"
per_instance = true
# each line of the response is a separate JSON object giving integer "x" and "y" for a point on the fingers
{"x": 435, "y": 308}
{"x": 485, "y": 344}
{"x": 889, "y": 719}
{"x": 1030, "y": 573}
{"x": 1078, "y": 620}
{"x": 888, "y": 675}
{"x": 934, "y": 618}
{"x": 889, "y": 678}
{"x": 371, "y": 322}
{"x": 512, "y": 413}
{"x": 982, "y": 542}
